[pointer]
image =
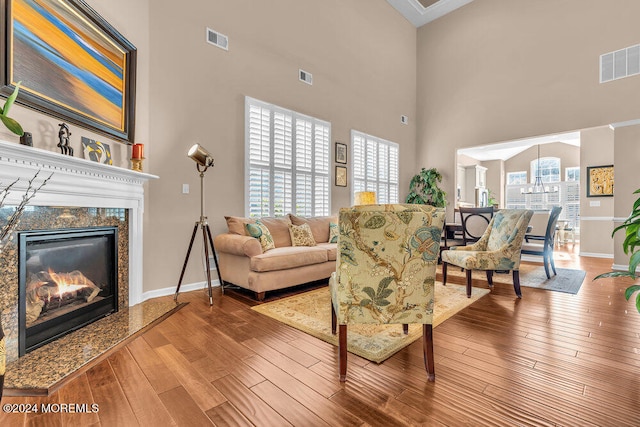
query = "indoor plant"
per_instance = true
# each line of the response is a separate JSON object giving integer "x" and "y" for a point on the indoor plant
{"x": 10, "y": 123}
{"x": 631, "y": 227}
{"x": 424, "y": 190}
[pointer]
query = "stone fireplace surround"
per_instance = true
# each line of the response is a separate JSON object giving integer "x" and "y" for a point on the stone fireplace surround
{"x": 95, "y": 194}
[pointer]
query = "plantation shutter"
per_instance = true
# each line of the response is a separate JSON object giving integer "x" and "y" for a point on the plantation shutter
{"x": 375, "y": 166}
{"x": 287, "y": 162}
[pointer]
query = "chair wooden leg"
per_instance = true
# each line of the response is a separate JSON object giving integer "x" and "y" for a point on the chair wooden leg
{"x": 490, "y": 278}
{"x": 545, "y": 260}
{"x": 516, "y": 283}
{"x": 427, "y": 346}
{"x": 469, "y": 283}
{"x": 334, "y": 320}
{"x": 553, "y": 266}
{"x": 444, "y": 273}
{"x": 405, "y": 329}
{"x": 342, "y": 350}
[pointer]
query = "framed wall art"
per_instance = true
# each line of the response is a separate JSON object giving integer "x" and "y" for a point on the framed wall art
{"x": 341, "y": 176}
{"x": 600, "y": 181}
{"x": 341, "y": 153}
{"x": 71, "y": 63}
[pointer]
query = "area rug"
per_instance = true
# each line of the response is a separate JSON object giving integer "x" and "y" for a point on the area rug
{"x": 310, "y": 312}
{"x": 533, "y": 276}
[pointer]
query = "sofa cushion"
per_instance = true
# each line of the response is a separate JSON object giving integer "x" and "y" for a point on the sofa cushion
{"x": 236, "y": 224}
{"x": 332, "y": 250}
{"x": 319, "y": 225}
{"x": 301, "y": 235}
{"x": 279, "y": 228}
{"x": 260, "y": 232}
{"x": 288, "y": 257}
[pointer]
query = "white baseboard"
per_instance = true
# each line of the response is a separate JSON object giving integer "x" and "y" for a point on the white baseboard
{"x": 172, "y": 290}
{"x": 596, "y": 255}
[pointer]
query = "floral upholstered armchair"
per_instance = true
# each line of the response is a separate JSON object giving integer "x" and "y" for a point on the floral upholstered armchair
{"x": 498, "y": 248}
{"x": 385, "y": 271}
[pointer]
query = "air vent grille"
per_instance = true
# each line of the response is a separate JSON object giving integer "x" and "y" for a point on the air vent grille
{"x": 217, "y": 39}
{"x": 306, "y": 77}
{"x": 619, "y": 64}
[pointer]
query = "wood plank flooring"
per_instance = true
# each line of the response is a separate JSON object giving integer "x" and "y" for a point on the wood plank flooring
{"x": 548, "y": 359}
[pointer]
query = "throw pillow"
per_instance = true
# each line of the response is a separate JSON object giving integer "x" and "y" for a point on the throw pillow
{"x": 301, "y": 235}
{"x": 333, "y": 232}
{"x": 261, "y": 232}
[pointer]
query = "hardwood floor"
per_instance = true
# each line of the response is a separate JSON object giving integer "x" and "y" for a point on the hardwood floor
{"x": 548, "y": 359}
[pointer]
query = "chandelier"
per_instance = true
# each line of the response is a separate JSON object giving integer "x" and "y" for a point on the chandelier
{"x": 538, "y": 186}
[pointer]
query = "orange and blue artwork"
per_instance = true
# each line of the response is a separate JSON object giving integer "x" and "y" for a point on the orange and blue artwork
{"x": 62, "y": 56}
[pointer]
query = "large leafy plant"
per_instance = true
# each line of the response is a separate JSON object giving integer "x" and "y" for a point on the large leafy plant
{"x": 10, "y": 123}
{"x": 424, "y": 190}
{"x": 632, "y": 240}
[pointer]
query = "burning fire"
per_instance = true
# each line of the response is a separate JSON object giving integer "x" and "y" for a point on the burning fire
{"x": 69, "y": 282}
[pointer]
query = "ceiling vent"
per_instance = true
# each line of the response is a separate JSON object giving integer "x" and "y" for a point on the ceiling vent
{"x": 619, "y": 64}
{"x": 217, "y": 39}
{"x": 306, "y": 77}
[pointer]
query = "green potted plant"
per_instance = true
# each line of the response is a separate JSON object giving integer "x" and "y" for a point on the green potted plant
{"x": 424, "y": 190}
{"x": 10, "y": 123}
{"x": 631, "y": 227}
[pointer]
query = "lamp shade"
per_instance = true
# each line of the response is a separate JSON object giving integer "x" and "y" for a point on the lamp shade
{"x": 200, "y": 155}
{"x": 365, "y": 198}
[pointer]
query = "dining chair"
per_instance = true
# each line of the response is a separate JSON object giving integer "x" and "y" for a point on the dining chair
{"x": 497, "y": 250}
{"x": 544, "y": 249}
{"x": 474, "y": 222}
{"x": 386, "y": 271}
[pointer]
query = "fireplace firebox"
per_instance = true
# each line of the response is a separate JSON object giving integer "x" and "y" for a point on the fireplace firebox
{"x": 67, "y": 279}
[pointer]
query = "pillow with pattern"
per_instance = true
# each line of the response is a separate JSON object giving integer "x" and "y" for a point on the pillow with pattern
{"x": 333, "y": 232}
{"x": 261, "y": 232}
{"x": 301, "y": 235}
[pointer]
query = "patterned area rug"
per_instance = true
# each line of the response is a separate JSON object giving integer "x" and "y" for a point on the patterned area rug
{"x": 533, "y": 276}
{"x": 310, "y": 312}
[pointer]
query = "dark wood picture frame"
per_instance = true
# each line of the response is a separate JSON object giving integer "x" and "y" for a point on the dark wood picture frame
{"x": 85, "y": 75}
{"x": 341, "y": 176}
{"x": 341, "y": 153}
{"x": 600, "y": 181}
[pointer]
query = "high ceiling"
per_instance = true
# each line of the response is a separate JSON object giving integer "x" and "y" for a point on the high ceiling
{"x": 420, "y": 12}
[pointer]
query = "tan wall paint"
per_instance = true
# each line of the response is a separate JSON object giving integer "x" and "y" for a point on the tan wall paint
{"x": 362, "y": 55}
{"x": 626, "y": 161}
{"x": 495, "y": 179}
{"x": 596, "y": 222}
{"x": 495, "y": 71}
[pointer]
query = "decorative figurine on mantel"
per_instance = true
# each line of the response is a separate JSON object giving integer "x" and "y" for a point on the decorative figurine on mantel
{"x": 63, "y": 135}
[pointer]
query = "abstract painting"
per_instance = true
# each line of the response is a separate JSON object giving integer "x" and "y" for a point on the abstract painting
{"x": 96, "y": 151}
{"x": 600, "y": 181}
{"x": 72, "y": 64}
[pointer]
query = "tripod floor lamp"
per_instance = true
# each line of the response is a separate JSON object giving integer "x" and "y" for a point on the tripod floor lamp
{"x": 203, "y": 160}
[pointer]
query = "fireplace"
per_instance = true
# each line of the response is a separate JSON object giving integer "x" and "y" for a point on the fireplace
{"x": 67, "y": 278}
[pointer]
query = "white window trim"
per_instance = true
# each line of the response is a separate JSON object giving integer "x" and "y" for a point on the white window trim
{"x": 247, "y": 166}
{"x": 535, "y": 173}
{"x": 352, "y": 179}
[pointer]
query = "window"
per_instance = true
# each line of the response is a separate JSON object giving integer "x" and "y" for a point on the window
{"x": 572, "y": 174}
{"x": 287, "y": 162}
{"x": 519, "y": 177}
{"x": 549, "y": 169}
{"x": 375, "y": 166}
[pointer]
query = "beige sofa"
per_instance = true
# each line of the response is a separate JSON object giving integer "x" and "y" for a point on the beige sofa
{"x": 243, "y": 263}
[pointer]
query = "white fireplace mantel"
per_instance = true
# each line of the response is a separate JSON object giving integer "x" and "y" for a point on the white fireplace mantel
{"x": 81, "y": 183}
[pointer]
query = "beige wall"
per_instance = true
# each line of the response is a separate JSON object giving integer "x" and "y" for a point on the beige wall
{"x": 626, "y": 160}
{"x": 495, "y": 179}
{"x": 496, "y": 71}
{"x": 596, "y": 222}
{"x": 362, "y": 55}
